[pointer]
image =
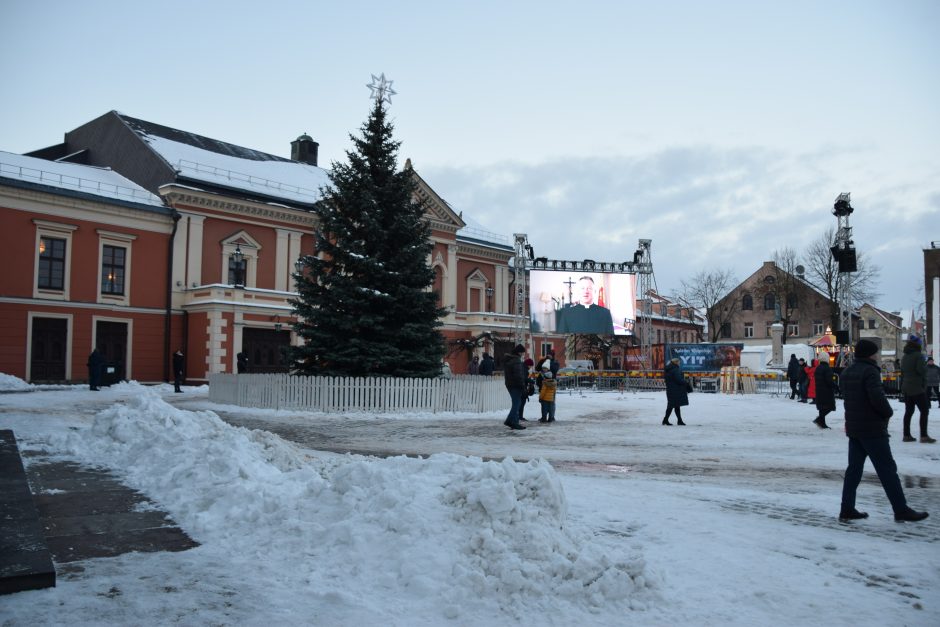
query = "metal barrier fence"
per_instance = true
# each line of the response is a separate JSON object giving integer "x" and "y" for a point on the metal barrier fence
{"x": 772, "y": 383}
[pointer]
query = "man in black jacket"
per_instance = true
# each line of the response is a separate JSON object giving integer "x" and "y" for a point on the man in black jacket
{"x": 867, "y": 412}
{"x": 793, "y": 374}
{"x": 179, "y": 363}
{"x": 515, "y": 375}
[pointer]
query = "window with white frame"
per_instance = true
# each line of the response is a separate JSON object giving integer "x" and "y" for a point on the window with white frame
{"x": 793, "y": 329}
{"x": 52, "y": 270}
{"x": 114, "y": 265}
{"x": 113, "y": 259}
{"x": 748, "y": 329}
{"x": 817, "y": 327}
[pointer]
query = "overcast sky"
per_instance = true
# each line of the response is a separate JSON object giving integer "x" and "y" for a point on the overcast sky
{"x": 722, "y": 131}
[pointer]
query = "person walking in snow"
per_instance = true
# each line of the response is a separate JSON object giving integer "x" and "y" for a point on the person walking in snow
{"x": 529, "y": 388}
{"x": 914, "y": 388}
{"x": 867, "y": 412}
{"x": 514, "y": 376}
{"x": 932, "y": 379}
{"x": 793, "y": 375}
{"x": 547, "y": 388}
{"x": 677, "y": 391}
{"x": 825, "y": 393}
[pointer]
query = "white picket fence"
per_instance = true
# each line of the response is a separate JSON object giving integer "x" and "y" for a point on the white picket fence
{"x": 460, "y": 393}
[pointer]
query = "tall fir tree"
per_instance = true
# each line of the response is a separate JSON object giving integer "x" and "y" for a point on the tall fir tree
{"x": 364, "y": 305}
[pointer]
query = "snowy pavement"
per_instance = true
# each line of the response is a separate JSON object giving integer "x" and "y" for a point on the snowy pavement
{"x": 728, "y": 520}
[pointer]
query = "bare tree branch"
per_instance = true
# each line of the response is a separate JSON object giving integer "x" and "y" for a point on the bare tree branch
{"x": 706, "y": 290}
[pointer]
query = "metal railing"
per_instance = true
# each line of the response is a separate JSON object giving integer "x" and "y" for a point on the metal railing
{"x": 74, "y": 182}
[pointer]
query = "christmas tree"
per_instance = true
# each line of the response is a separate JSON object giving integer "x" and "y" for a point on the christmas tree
{"x": 364, "y": 305}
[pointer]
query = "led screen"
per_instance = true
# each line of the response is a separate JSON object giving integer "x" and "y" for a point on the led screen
{"x": 582, "y": 302}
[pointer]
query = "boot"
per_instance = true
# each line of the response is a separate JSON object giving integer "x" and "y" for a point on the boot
{"x": 821, "y": 423}
{"x": 680, "y": 423}
{"x": 852, "y": 514}
{"x": 926, "y": 439}
{"x": 909, "y": 515}
{"x": 666, "y": 422}
{"x": 908, "y": 438}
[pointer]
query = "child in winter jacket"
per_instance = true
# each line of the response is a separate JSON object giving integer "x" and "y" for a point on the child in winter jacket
{"x": 547, "y": 387}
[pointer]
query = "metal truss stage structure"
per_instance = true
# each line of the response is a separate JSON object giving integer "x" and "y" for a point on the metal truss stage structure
{"x": 641, "y": 265}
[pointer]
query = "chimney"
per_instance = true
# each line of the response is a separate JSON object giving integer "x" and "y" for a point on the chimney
{"x": 304, "y": 149}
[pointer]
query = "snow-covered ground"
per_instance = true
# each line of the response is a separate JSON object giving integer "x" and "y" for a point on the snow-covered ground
{"x": 607, "y": 517}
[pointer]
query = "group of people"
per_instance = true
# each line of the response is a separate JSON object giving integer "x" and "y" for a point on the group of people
{"x": 815, "y": 384}
{"x": 484, "y": 367}
{"x": 520, "y": 385}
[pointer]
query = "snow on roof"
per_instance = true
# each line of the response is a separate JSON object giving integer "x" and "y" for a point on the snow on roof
{"x": 476, "y": 231}
{"x": 289, "y": 180}
{"x": 87, "y": 179}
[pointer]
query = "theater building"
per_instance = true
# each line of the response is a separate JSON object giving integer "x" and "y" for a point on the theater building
{"x": 210, "y": 232}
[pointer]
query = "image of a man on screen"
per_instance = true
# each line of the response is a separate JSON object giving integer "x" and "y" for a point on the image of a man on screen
{"x": 585, "y": 316}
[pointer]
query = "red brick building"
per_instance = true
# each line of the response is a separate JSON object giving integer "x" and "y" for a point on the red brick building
{"x": 208, "y": 234}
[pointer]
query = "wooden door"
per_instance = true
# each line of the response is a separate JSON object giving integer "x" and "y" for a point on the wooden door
{"x": 49, "y": 349}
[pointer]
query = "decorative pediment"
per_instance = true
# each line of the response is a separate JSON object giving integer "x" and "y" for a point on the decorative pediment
{"x": 437, "y": 211}
{"x": 241, "y": 239}
{"x": 477, "y": 275}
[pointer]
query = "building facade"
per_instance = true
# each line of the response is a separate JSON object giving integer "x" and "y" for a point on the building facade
{"x": 769, "y": 295}
{"x": 210, "y": 239}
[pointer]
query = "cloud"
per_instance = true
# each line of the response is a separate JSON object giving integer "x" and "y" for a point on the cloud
{"x": 702, "y": 206}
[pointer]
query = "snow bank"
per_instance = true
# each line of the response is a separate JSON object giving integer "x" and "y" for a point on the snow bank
{"x": 444, "y": 535}
{"x": 9, "y": 383}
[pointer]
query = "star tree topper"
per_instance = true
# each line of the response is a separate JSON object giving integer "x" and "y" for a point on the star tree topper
{"x": 381, "y": 88}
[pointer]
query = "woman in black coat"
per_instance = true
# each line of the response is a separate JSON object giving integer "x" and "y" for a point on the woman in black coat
{"x": 825, "y": 393}
{"x": 677, "y": 392}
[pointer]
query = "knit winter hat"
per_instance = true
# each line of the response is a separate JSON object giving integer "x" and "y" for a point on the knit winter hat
{"x": 519, "y": 349}
{"x": 528, "y": 362}
{"x": 865, "y": 348}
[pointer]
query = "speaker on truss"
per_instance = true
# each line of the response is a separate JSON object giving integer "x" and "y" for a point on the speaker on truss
{"x": 848, "y": 261}
{"x": 842, "y": 338}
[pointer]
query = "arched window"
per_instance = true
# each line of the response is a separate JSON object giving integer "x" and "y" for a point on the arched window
{"x": 769, "y": 301}
{"x": 747, "y": 303}
{"x": 791, "y": 301}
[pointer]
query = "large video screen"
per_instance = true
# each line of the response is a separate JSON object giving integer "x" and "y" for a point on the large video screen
{"x": 599, "y": 303}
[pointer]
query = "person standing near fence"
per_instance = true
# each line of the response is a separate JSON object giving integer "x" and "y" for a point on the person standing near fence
{"x": 547, "y": 388}
{"x": 914, "y": 388}
{"x": 825, "y": 393}
{"x": 867, "y": 412}
{"x": 487, "y": 365}
{"x": 803, "y": 381}
{"x": 932, "y": 379}
{"x": 793, "y": 374}
{"x": 474, "y": 367}
{"x": 677, "y": 391}
{"x": 514, "y": 376}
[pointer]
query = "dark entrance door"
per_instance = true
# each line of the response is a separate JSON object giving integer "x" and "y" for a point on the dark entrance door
{"x": 266, "y": 350}
{"x": 49, "y": 343}
{"x": 111, "y": 340}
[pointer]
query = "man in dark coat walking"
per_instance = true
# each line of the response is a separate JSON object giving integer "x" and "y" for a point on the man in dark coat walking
{"x": 825, "y": 393}
{"x": 677, "y": 391}
{"x": 793, "y": 374}
{"x": 867, "y": 412}
{"x": 914, "y": 388}
{"x": 515, "y": 376}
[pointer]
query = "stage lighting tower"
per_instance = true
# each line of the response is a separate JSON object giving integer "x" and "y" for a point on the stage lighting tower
{"x": 843, "y": 252}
